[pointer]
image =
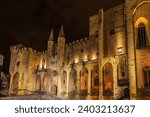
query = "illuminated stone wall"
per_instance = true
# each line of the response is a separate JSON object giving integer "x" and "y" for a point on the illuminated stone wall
{"x": 25, "y": 62}
{"x": 141, "y": 15}
{"x": 19, "y": 65}
{"x": 137, "y": 12}
{"x": 60, "y": 69}
{"x": 93, "y": 24}
{"x": 114, "y": 31}
{"x": 112, "y": 46}
{"x": 82, "y": 50}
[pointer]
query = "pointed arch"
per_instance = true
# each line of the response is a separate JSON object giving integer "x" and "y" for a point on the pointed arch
{"x": 142, "y": 35}
{"x": 54, "y": 90}
{"x": 45, "y": 82}
{"x": 84, "y": 81}
{"x": 72, "y": 79}
{"x": 95, "y": 80}
{"x": 139, "y": 6}
{"x": 15, "y": 83}
{"x": 64, "y": 81}
{"x": 38, "y": 84}
{"x": 142, "y": 32}
{"x": 141, "y": 20}
{"x": 108, "y": 79}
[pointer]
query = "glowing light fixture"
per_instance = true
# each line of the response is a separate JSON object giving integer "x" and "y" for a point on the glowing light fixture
{"x": 85, "y": 60}
{"x": 76, "y": 61}
{"x": 94, "y": 57}
{"x": 120, "y": 50}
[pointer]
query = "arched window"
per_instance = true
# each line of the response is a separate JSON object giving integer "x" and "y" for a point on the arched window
{"x": 95, "y": 80}
{"x": 142, "y": 36}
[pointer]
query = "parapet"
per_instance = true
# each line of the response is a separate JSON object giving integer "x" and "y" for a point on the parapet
{"x": 77, "y": 42}
{"x": 24, "y": 49}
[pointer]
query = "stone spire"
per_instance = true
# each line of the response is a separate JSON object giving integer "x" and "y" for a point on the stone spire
{"x": 61, "y": 33}
{"x": 51, "y": 37}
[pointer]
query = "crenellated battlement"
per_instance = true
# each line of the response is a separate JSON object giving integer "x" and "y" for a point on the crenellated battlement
{"x": 77, "y": 42}
{"x": 42, "y": 53}
{"x": 22, "y": 49}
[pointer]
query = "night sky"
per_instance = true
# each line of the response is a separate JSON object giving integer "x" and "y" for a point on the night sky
{"x": 30, "y": 21}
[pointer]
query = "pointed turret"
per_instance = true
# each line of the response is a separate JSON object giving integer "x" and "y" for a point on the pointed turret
{"x": 61, "y": 33}
{"x": 51, "y": 37}
{"x": 50, "y": 48}
{"x": 61, "y": 47}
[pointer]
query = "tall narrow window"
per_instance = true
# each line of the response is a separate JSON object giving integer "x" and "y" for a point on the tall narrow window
{"x": 112, "y": 31}
{"x": 95, "y": 80}
{"x": 147, "y": 76}
{"x": 142, "y": 36}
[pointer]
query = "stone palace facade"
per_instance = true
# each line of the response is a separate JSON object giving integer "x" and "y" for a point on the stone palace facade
{"x": 112, "y": 62}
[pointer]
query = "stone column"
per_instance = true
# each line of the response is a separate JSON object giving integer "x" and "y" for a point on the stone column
{"x": 59, "y": 82}
{"x": 89, "y": 83}
{"x": 101, "y": 83}
{"x": 115, "y": 81}
{"x": 131, "y": 49}
{"x": 101, "y": 52}
{"x": 78, "y": 85}
{"x": 67, "y": 85}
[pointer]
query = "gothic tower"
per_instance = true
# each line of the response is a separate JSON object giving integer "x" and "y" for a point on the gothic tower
{"x": 61, "y": 47}
{"x": 50, "y": 48}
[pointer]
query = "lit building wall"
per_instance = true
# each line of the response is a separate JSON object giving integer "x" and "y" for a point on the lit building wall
{"x": 82, "y": 50}
{"x": 18, "y": 69}
{"x": 114, "y": 31}
{"x": 141, "y": 15}
{"x": 72, "y": 69}
{"x": 131, "y": 49}
{"x": 93, "y": 24}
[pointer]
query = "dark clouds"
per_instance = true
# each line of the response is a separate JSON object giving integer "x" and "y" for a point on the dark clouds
{"x": 30, "y": 21}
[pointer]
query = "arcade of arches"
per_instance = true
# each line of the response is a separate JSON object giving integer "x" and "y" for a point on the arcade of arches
{"x": 84, "y": 82}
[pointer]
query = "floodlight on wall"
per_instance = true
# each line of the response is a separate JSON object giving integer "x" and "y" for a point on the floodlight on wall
{"x": 76, "y": 61}
{"x": 120, "y": 50}
{"x": 94, "y": 57}
{"x": 85, "y": 60}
